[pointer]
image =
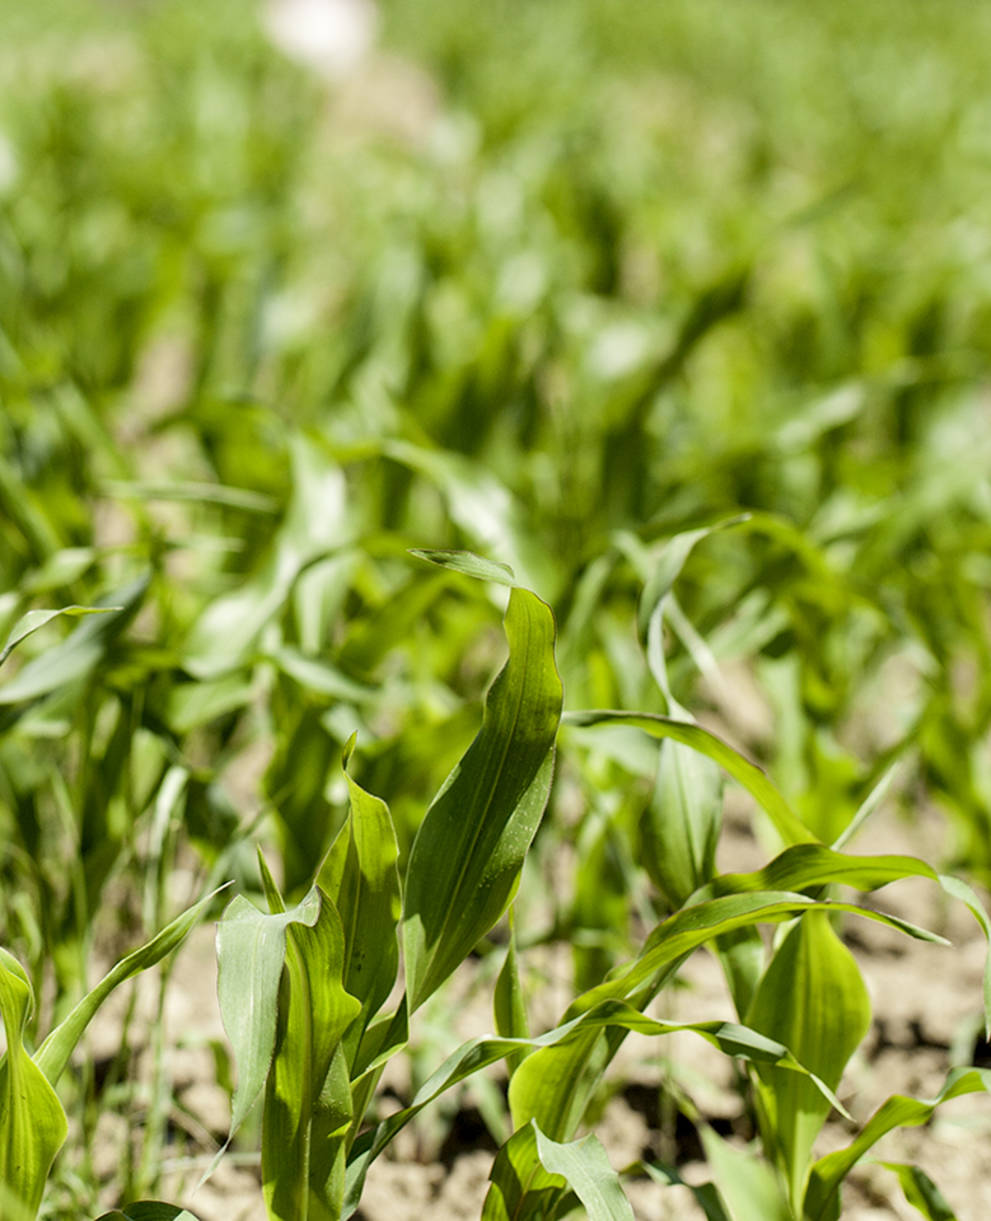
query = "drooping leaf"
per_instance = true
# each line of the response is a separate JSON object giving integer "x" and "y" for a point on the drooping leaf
{"x": 822, "y": 1198}
{"x": 33, "y": 620}
{"x": 478, "y": 1053}
{"x": 555, "y": 1084}
{"x": 468, "y": 852}
{"x": 80, "y": 653}
{"x": 54, "y": 1053}
{"x": 788, "y": 825}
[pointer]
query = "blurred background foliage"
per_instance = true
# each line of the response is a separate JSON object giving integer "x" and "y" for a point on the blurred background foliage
{"x": 550, "y": 281}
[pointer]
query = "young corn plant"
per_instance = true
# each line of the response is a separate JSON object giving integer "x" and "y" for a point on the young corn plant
{"x": 302, "y": 989}
{"x": 33, "y": 1125}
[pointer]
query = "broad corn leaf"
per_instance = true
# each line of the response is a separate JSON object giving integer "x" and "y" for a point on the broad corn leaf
{"x": 307, "y": 1093}
{"x": 468, "y": 852}
{"x": 680, "y": 826}
{"x": 521, "y": 1186}
{"x": 36, "y": 619}
{"x": 813, "y": 1000}
{"x": 32, "y": 1122}
{"x": 251, "y": 951}
{"x": 584, "y": 1166}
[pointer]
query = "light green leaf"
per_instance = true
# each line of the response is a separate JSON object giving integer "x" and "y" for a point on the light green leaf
{"x": 316, "y": 523}
{"x": 476, "y": 1054}
{"x": 80, "y": 653}
{"x": 307, "y": 1092}
{"x": 681, "y": 823}
{"x": 33, "y": 620}
{"x": 807, "y": 865}
{"x": 813, "y": 1000}
{"x": 32, "y": 1123}
{"x": 788, "y": 825}
{"x": 586, "y": 1169}
{"x": 468, "y": 563}
{"x": 251, "y": 951}
{"x": 822, "y": 1200}
{"x": 54, "y": 1053}
{"x": 746, "y": 1183}
{"x": 555, "y": 1085}
{"x": 470, "y": 847}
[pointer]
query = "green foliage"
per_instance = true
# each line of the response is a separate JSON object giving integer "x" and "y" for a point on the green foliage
{"x": 587, "y": 298}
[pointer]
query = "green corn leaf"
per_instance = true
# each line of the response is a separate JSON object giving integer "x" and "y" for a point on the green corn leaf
{"x": 483, "y": 508}
{"x": 809, "y": 865}
{"x": 583, "y": 1164}
{"x": 731, "y": 1038}
{"x": 746, "y": 1183}
{"x": 32, "y": 1123}
{"x": 149, "y": 1210}
{"x": 788, "y": 825}
{"x": 468, "y": 563}
{"x": 80, "y": 653}
{"x": 307, "y": 1092}
{"x": 681, "y": 823}
{"x": 555, "y": 1084}
{"x": 813, "y": 1000}
{"x": 806, "y": 865}
{"x": 468, "y": 852}
{"x": 251, "y": 951}
{"x": 54, "y": 1053}
{"x": 33, "y": 620}
{"x": 532, "y": 1175}
{"x": 822, "y": 1198}
{"x": 921, "y": 1192}
{"x": 315, "y": 524}
{"x": 360, "y": 877}
{"x": 521, "y": 1186}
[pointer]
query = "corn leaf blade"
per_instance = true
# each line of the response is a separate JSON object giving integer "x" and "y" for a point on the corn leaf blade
{"x": 822, "y": 1201}
{"x": 812, "y": 999}
{"x": 32, "y": 1123}
{"x": 466, "y": 858}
